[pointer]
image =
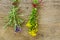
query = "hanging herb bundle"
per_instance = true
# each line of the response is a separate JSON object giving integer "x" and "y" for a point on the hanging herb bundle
{"x": 32, "y": 22}
{"x": 14, "y": 19}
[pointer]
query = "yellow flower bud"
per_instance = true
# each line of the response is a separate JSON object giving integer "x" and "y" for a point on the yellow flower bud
{"x": 35, "y": 30}
{"x": 32, "y": 33}
{"x": 28, "y": 24}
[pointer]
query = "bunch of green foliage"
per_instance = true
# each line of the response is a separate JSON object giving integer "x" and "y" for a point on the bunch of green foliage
{"x": 14, "y": 19}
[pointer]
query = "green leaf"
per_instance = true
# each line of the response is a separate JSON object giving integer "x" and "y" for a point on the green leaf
{"x": 13, "y": 0}
{"x": 35, "y": 1}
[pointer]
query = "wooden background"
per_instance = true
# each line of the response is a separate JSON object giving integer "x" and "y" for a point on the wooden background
{"x": 48, "y": 20}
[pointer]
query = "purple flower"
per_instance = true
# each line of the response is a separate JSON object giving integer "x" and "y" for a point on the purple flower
{"x": 17, "y": 29}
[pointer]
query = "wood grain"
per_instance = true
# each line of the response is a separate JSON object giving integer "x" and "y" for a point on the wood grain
{"x": 48, "y": 19}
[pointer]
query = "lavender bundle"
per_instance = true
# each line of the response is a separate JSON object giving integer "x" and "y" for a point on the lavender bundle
{"x": 14, "y": 19}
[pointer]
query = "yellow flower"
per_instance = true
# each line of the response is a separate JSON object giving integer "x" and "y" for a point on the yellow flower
{"x": 32, "y": 33}
{"x": 28, "y": 24}
{"x": 35, "y": 30}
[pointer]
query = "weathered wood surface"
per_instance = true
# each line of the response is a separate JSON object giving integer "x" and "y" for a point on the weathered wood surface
{"x": 49, "y": 21}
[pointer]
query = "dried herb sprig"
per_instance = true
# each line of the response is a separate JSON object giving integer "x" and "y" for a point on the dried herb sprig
{"x": 14, "y": 19}
{"x": 32, "y": 22}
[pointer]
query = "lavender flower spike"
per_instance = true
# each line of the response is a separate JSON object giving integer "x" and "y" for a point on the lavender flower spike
{"x": 18, "y": 28}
